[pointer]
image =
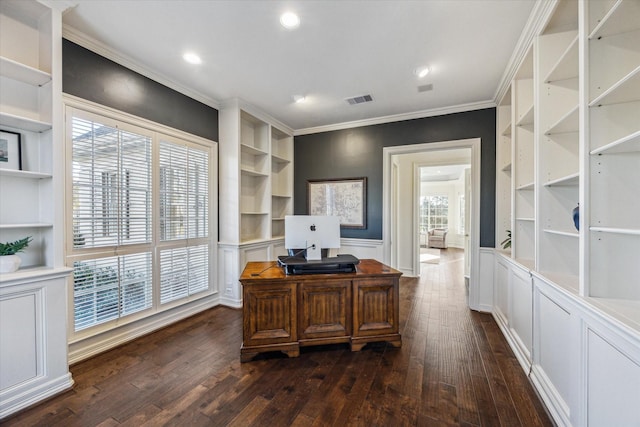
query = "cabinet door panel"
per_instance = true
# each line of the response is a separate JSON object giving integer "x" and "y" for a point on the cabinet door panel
{"x": 324, "y": 309}
{"x": 373, "y": 307}
{"x": 269, "y": 314}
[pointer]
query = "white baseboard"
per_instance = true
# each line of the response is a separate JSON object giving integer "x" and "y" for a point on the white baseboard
{"x": 554, "y": 403}
{"x": 231, "y": 302}
{"x": 29, "y": 393}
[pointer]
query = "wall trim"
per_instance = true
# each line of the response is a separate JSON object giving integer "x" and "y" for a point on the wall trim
{"x": 398, "y": 117}
{"x": 102, "y": 49}
{"x": 538, "y": 17}
{"x": 33, "y": 394}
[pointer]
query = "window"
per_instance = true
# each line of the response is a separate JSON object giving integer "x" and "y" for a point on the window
{"x": 462, "y": 208}
{"x": 434, "y": 213}
{"x": 184, "y": 183}
{"x": 111, "y": 171}
{"x": 115, "y": 208}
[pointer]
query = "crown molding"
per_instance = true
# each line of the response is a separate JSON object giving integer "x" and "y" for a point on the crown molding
{"x": 398, "y": 117}
{"x": 101, "y": 49}
{"x": 538, "y": 18}
{"x": 245, "y": 106}
{"x": 59, "y": 5}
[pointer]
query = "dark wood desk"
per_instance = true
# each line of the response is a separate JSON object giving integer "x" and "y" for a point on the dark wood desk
{"x": 283, "y": 313}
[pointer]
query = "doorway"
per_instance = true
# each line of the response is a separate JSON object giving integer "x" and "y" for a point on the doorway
{"x": 442, "y": 204}
{"x": 401, "y": 237}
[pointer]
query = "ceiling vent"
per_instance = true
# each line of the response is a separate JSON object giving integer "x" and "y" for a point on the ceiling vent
{"x": 359, "y": 99}
{"x": 425, "y": 88}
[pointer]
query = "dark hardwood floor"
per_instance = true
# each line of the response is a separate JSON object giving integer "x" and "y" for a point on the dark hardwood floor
{"x": 454, "y": 368}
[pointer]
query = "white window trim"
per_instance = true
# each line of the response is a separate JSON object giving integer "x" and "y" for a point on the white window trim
{"x": 134, "y": 123}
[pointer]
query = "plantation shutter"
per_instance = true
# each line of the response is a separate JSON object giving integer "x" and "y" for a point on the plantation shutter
{"x": 184, "y": 214}
{"x": 108, "y": 288}
{"x": 140, "y": 209}
{"x": 111, "y": 185}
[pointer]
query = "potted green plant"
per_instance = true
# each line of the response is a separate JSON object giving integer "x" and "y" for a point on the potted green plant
{"x": 506, "y": 243}
{"x": 9, "y": 261}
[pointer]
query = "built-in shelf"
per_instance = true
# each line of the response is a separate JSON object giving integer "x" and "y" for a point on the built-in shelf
{"x": 507, "y": 130}
{"x": 527, "y": 186}
{"x": 251, "y": 172}
{"x": 627, "y": 89}
{"x": 629, "y": 310}
{"x": 621, "y": 18}
{"x": 33, "y": 273}
{"x": 527, "y": 117}
{"x": 25, "y": 225}
{"x": 566, "y": 181}
{"x": 613, "y": 230}
{"x": 248, "y": 149}
{"x": 567, "y": 123}
{"x": 24, "y": 73}
{"x": 277, "y": 219}
{"x": 526, "y": 262}
{"x": 526, "y": 219}
{"x": 567, "y": 282}
{"x": 279, "y": 159}
{"x": 563, "y": 233}
{"x": 627, "y": 144}
{"x": 25, "y": 123}
{"x": 281, "y": 196}
{"x": 24, "y": 174}
{"x": 567, "y": 66}
{"x": 253, "y": 213}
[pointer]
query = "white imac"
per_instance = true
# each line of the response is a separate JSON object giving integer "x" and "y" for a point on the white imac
{"x": 313, "y": 233}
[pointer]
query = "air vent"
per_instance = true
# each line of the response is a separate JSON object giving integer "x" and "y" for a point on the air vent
{"x": 359, "y": 99}
{"x": 425, "y": 88}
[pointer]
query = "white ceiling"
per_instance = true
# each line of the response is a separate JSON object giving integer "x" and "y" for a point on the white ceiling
{"x": 341, "y": 49}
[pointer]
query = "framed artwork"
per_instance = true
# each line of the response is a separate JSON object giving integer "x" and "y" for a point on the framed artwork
{"x": 10, "y": 150}
{"x": 345, "y": 198}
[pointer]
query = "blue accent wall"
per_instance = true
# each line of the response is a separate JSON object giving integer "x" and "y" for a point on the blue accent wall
{"x": 90, "y": 76}
{"x": 357, "y": 152}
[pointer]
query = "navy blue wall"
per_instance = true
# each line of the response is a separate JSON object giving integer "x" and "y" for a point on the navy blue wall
{"x": 90, "y": 76}
{"x": 357, "y": 152}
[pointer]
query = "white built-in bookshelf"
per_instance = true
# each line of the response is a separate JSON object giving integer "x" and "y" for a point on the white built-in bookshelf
{"x": 613, "y": 155}
{"x": 33, "y": 300}
{"x": 568, "y": 300}
{"x": 256, "y": 191}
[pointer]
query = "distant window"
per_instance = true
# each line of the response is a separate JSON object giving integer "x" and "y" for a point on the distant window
{"x": 462, "y": 218}
{"x": 434, "y": 213}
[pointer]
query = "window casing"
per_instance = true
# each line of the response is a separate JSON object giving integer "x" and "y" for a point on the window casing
{"x": 140, "y": 219}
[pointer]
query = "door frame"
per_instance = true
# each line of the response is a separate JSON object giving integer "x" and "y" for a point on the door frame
{"x": 388, "y": 198}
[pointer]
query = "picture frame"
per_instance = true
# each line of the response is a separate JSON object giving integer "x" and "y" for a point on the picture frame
{"x": 342, "y": 197}
{"x": 10, "y": 150}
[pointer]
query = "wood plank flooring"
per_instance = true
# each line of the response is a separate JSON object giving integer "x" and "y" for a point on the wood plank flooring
{"x": 454, "y": 368}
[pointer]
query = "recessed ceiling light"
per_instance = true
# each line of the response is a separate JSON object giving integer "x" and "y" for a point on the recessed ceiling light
{"x": 422, "y": 71}
{"x": 192, "y": 58}
{"x": 290, "y": 20}
{"x": 299, "y": 99}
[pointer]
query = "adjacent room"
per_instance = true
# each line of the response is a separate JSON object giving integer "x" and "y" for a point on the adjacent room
{"x": 319, "y": 213}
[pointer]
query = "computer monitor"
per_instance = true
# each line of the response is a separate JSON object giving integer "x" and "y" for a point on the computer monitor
{"x": 313, "y": 233}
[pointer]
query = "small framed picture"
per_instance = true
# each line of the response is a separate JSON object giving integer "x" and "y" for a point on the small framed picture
{"x": 10, "y": 150}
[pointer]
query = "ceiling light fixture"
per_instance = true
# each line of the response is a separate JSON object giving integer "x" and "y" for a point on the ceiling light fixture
{"x": 290, "y": 20}
{"x": 299, "y": 99}
{"x": 192, "y": 58}
{"x": 422, "y": 71}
